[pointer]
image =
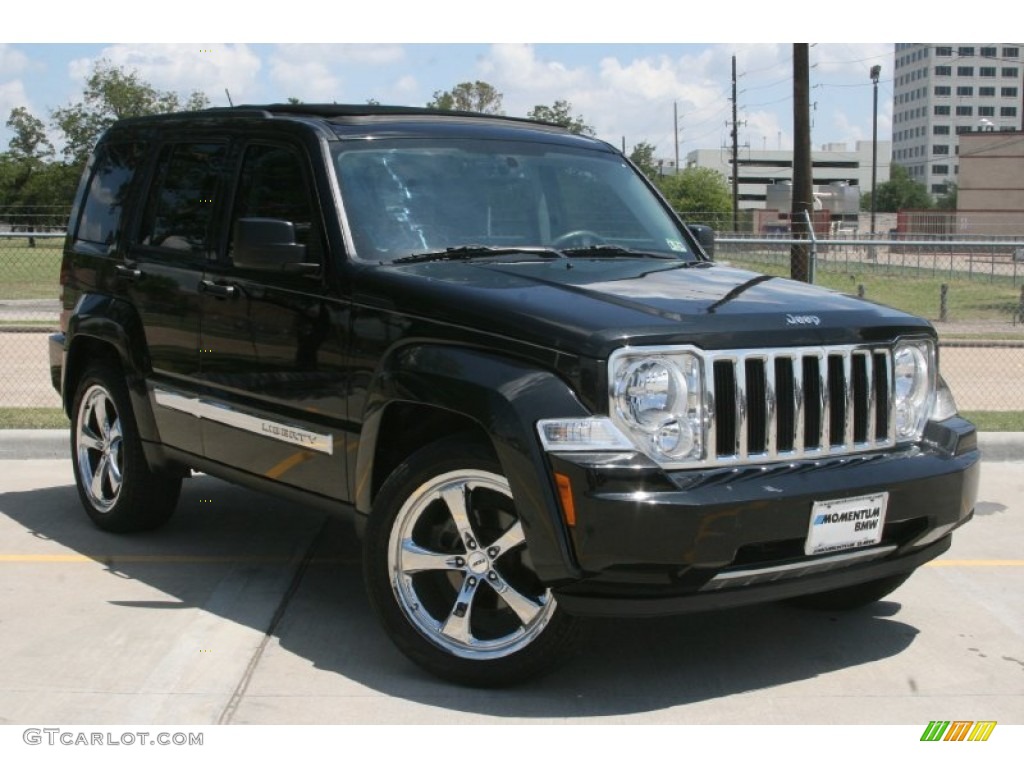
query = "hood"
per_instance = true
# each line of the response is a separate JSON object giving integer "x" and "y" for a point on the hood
{"x": 592, "y": 306}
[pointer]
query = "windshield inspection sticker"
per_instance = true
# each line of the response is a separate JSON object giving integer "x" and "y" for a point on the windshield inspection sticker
{"x": 675, "y": 245}
{"x": 846, "y": 523}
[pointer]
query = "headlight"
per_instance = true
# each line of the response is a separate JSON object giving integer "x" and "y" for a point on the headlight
{"x": 657, "y": 401}
{"x": 914, "y": 378}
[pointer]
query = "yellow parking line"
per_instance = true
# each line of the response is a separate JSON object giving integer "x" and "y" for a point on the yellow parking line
{"x": 289, "y": 463}
{"x": 975, "y": 563}
{"x": 190, "y": 559}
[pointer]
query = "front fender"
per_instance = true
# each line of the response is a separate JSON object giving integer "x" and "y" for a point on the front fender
{"x": 505, "y": 398}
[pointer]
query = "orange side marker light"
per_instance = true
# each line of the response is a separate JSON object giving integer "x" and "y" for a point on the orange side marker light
{"x": 565, "y": 496}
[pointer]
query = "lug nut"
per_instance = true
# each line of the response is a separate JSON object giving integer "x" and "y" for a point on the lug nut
{"x": 492, "y": 552}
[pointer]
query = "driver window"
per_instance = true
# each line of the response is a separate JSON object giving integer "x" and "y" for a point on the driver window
{"x": 273, "y": 186}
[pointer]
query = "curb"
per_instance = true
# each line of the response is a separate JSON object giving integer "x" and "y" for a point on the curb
{"x": 35, "y": 444}
{"x": 55, "y": 444}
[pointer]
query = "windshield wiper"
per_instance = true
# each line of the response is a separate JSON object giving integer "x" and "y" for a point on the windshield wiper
{"x": 466, "y": 252}
{"x": 615, "y": 250}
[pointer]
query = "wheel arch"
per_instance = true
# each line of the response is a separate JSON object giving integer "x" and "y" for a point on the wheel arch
{"x": 426, "y": 392}
{"x": 105, "y": 328}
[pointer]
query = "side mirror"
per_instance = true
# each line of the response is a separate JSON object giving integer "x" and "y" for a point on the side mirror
{"x": 704, "y": 235}
{"x": 269, "y": 245}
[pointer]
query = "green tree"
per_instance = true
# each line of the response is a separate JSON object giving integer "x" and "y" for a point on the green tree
{"x": 112, "y": 93}
{"x": 899, "y": 193}
{"x": 700, "y": 195}
{"x": 643, "y": 158}
{"x": 27, "y": 171}
{"x": 29, "y": 141}
{"x": 947, "y": 200}
{"x": 469, "y": 97}
{"x": 560, "y": 113}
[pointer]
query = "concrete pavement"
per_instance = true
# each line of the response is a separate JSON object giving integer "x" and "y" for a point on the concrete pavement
{"x": 246, "y": 609}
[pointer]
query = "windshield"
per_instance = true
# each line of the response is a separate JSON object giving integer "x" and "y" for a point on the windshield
{"x": 410, "y": 197}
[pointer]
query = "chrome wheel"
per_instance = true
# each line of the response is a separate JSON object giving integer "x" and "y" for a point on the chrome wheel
{"x": 118, "y": 488}
{"x": 459, "y": 567}
{"x": 99, "y": 455}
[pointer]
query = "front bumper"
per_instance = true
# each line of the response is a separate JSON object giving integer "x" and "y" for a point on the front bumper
{"x": 653, "y": 542}
{"x": 55, "y": 351}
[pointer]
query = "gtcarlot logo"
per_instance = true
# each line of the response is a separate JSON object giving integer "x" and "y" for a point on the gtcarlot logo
{"x": 58, "y": 736}
{"x": 958, "y": 730}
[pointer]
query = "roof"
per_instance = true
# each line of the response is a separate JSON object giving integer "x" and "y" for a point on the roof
{"x": 353, "y": 121}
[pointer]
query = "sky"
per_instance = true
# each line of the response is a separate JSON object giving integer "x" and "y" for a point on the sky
{"x": 625, "y": 73}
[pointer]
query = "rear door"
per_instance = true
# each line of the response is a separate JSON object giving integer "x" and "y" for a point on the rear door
{"x": 174, "y": 239}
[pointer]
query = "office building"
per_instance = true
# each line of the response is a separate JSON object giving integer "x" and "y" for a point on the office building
{"x": 944, "y": 90}
{"x": 759, "y": 170}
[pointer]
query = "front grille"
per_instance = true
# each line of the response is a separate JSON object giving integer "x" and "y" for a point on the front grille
{"x": 779, "y": 404}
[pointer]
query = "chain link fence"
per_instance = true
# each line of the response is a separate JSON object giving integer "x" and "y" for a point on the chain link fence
{"x": 972, "y": 289}
{"x": 971, "y": 286}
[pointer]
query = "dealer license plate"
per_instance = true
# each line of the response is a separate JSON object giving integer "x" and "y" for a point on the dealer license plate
{"x": 843, "y": 524}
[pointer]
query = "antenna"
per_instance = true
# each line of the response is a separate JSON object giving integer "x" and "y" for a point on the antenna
{"x": 228, "y": 94}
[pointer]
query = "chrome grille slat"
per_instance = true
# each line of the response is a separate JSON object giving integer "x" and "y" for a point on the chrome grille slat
{"x": 825, "y": 427}
{"x": 798, "y": 406}
{"x": 848, "y": 400}
{"x": 872, "y": 401}
{"x": 772, "y": 437}
{"x": 740, "y": 374}
{"x": 846, "y": 406}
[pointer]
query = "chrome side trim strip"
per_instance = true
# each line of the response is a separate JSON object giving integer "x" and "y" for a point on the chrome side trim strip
{"x": 776, "y": 572}
{"x": 222, "y": 414}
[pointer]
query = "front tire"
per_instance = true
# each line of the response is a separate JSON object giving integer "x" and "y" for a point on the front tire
{"x": 449, "y": 574}
{"x": 119, "y": 491}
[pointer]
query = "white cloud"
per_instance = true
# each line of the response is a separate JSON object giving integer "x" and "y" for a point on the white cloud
{"x": 12, "y": 61}
{"x": 184, "y": 67}
{"x": 517, "y": 67}
{"x": 318, "y": 72}
{"x": 12, "y": 94}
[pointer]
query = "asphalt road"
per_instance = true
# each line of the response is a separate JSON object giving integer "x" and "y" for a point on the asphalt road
{"x": 249, "y": 610}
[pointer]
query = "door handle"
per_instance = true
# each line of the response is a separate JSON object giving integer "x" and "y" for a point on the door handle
{"x": 220, "y": 290}
{"x": 129, "y": 273}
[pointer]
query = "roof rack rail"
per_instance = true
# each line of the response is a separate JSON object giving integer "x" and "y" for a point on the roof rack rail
{"x": 367, "y": 110}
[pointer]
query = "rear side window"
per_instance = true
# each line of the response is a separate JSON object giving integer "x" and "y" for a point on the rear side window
{"x": 112, "y": 172}
{"x": 179, "y": 211}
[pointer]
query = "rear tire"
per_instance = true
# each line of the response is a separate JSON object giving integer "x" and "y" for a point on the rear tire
{"x": 849, "y": 598}
{"x": 449, "y": 574}
{"x": 119, "y": 491}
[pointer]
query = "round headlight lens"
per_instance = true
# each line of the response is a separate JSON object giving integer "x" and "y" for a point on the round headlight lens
{"x": 648, "y": 392}
{"x": 911, "y": 373}
{"x": 913, "y": 388}
{"x": 674, "y": 438}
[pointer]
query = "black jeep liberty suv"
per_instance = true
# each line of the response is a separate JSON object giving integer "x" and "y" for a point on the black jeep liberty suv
{"x": 496, "y": 344}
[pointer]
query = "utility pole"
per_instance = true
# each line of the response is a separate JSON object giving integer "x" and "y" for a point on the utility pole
{"x": 735, "y": 156}
{"x": 675, "y": 131}
{"x": 801, "y": 208}
{"x": 876, "y": 72}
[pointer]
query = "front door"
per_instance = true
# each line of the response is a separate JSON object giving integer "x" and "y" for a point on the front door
{"x": 272, "y": 342}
